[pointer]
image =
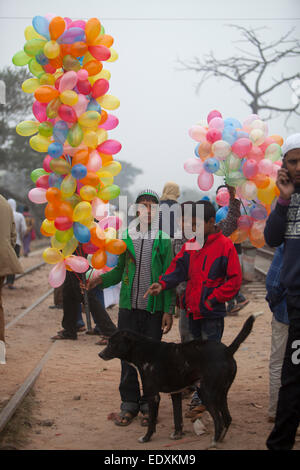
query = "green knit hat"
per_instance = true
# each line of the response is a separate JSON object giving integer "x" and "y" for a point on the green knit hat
{"x": 147, "y": 192}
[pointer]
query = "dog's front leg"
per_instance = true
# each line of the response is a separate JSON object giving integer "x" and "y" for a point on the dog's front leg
{"x": 153, "y": 403}
{"x": 177, "y": 415}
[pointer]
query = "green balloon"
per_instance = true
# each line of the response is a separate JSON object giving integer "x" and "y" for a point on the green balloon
{"x": 34, "y": 47}
{"x": 35, "y": 68}
{"x": 35, "y": 174}
{"x": 75, "y": 135}
{"x": 21, "y": 58}
{"x": 46, "y": 129}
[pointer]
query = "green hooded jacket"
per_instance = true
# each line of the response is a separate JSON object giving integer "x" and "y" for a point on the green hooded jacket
{"x": 162, "y": 256}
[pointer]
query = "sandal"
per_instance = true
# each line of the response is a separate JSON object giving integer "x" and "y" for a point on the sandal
{"x": 63, "y": 335}
{"x": 124, "y": 418}
{"x": 103, "y": 341}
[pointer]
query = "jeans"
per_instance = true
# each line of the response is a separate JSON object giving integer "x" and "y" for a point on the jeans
{"x": 148, "y": 324}
{"x": 72, "y": 298}
{"x": 287, "y": 418}
{"x": 184, "y": 330}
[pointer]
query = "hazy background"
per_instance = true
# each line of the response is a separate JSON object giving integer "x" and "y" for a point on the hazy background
{"x": 159, "y": 103}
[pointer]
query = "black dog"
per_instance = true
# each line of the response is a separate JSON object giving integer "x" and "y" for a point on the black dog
{"x": 170, "y": 367}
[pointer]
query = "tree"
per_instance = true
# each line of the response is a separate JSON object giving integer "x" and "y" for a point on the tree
{"x": 252, "y": 69}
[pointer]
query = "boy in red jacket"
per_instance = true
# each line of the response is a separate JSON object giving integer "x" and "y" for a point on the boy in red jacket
{"x": 210, "y": 265}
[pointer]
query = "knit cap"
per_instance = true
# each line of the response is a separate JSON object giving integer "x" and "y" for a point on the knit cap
{"x": 291, "y": 143}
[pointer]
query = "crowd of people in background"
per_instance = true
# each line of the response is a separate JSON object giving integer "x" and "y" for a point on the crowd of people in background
{"x": 178, "y": 262}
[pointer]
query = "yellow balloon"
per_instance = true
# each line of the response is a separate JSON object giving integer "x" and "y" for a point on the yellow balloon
{"x": 88, "y": 222}
{"x": 47, "y": 79}
{"x": 106, "y": 177}
{"x": 51, "y": 49}
{"x": 87, "y": 58}
{"x": 101, "y": 135}
{"x": 52, "y": 256}
{"x": 88, "y": 193}
{"x": 30, "y": 33}
{"x": 103, "y": 74}
{"x": 89, "y": 119}
{"x": 69, "y": 97}
{"x": 113, "y": 167}
{"x": 49, "y": 227}
{"x": 114, "y": 55}
{"x": 267, "y": 195}
{"x": 108, "y": 102}
{"x": 30, "y": 85}
{"x": 39, "y": 143}
{"x": 110, "y": 234}
{"x": 70, "y": 247}
{"x": 55, "y": 243}
{"x": 82, "y": 211}
{"x": 90, "y": 139}
{"x": 26, "y": 128}
{"x": 68, "y": 186}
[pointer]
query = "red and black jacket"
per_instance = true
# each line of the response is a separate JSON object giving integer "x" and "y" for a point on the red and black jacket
{"x": 212, "y": 272}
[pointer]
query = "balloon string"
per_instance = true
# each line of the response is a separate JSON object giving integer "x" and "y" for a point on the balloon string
{"x": 243, "y": 206}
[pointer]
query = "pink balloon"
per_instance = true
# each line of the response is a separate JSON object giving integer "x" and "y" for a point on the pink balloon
{"x": 81, "y": 105}
{"x": 198, "y": 133}
{"x": 77, "y": 24}
{"x": 57, "y": 274}
{"x": 100, "y": 87}
{"x": 245, "y": 222}
{"x": 255, "y": 154}
{"x": 213, "y": 114}
{"x": 77, "y": 263}
{"x": 110, "y": 123}
{"x": 111, "y": 221}
{"x": 248, "y": 121}
{"x": 82, "y": 74}
{"x": 68, "y": 150}
{"x": 39, "y": 111}
{"x": 266, "y": 144}
{"x": 205, "y": 180}
{"x": 43, "y": 182}
{"x": 222, "y": 198}
{"x": 216, "y": 123}
{"x": 242, "y": 147}
{"x": 68, "y": 22}
{"x": 109, "y": 147}
{"x": 213, "y": 135}
{"x": 193, "y": 165}
{"x": 68, "y": 81}
{"x": 265, "y": 167}
{"x": 250, "y": 168}
{"x": 67, "y": 113}
{"x": 99, "y": 209}
{"x": 46, "y": 163}
{"x": 95, "y": 162}
{"x": 37, "y": 195}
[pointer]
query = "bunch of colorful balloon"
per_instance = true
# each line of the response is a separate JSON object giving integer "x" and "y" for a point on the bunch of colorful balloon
{"x": 247, "y": 158}
{"x": 71, "y": 107}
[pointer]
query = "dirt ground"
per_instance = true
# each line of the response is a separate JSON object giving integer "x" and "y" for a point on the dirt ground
{"x": 77, "y": 392}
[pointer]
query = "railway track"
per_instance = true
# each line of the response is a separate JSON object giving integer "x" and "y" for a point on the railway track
{"x": 256, "y": 290}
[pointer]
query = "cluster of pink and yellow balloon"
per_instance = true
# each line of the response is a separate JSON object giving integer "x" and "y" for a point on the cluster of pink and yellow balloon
{"x": 248, "y": 159}
{"x": 72, "y": 111}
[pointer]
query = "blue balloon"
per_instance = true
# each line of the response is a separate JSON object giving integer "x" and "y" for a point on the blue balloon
{"x": 55, "y": 180}
{"x": 242, "y": 134}
{"x": 112, "y": 260}
{"x": 221, "y": 214}
{"x": 81, "y": 232}
{"x": 196, "y": 151}
{"x": 55, "y": 150}
{"x": 79, "y": 171}
{"x": 94, "y": 106}
{"x": 72, "y": 35}
{"x": 42, "y": 59}
{"x": 211, "y": 165}
{"x": 205, "y": 198}
{"x": 41, "y": 25}
{"x": 229, "y": 135}
{"x": 60, "y": 131}
{"x": 233, "y": 123}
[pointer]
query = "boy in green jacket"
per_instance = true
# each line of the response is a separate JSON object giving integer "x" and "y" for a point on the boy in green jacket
{"x": 148, "y": 255}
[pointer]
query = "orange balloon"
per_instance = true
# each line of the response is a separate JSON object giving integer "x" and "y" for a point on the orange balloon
{"x": 57, "y": 62}
{"x": 56, "y": 27}
{"x": 81, "y": 156}
{"x": 97, "y": 237}
{"x": 204, "y": 150}
{"x": 46, "y": 93}
{"x": 65, "y": 209}
{"x": 104, "y": 40}
{"x": 261, "y": 181}
{"x": 51, "y": 211}
{"x": 78, "y": 49}
{"x": 239, "y": 236}
{"x": 90, "y": 179}
{"x": 53, "y": 195}
{"x": 65, "y": 49}
{"x": 92, "y": 30}
{"x": 99, "y": 259}
{"x": 277, "y": 138}
{"x": 115, "y": 247}
{"x": 277, "y": 191}
{"x": 105, "y": 158}
{"x": 103, "y": 117}
{"x": 93, "y": 67}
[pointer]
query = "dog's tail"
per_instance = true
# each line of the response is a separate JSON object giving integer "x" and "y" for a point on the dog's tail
{"x": 244, "y": 333}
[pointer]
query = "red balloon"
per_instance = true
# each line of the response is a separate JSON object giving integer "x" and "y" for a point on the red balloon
{"x": 67, "y": 113}
{"x": 100, "y": 87}
{"x": 100, "y": 52}
{"x": 63, "y": 223}
{"x": 84, "y": 87}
